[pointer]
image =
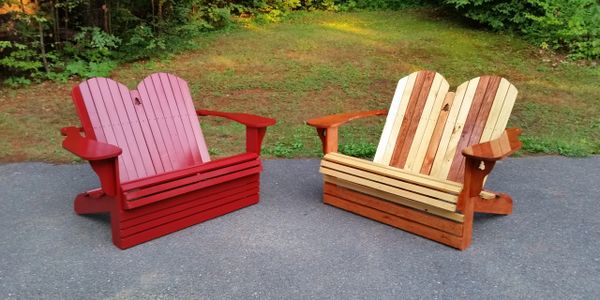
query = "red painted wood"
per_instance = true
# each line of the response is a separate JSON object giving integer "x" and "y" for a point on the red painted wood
{"x": 201, "y": 205}
{"x": 176, "y": 225}
{"x": 189, "y": 188}
{"x": 213, "y": 165}
{"x": 192, "y": 178}
{"x": 203, "y": 196}
{"x": 132, "y": 214}
{"x": 147, "y": 145}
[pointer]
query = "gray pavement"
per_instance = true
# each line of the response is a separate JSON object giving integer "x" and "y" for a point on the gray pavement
{"x": 291, "y": 245}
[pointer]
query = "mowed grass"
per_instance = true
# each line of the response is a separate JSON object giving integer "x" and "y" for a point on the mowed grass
{"x": 319, "y": 63}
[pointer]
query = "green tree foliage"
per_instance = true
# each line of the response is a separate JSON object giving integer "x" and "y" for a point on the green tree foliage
{"x": 571, "y": 25}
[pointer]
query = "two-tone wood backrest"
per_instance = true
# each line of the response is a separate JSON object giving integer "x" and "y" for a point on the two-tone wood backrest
{"x": 155, "y": 125}
{"x": 427, "y": 127}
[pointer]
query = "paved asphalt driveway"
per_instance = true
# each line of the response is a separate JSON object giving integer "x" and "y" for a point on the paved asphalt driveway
{"x": 291, "y": 245}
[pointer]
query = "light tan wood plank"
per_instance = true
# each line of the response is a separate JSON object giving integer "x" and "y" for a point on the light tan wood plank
{"x": 451, "y": 198}
{"x": 509, "y": 102}
{"x": 492, "y": 119}
{"x": 443, "y": 162}
{"x": 416, "y": 178}
{"x": 403, "y": 97}
{"x": 389, "y": 189}
{"x": 425, "y": 130}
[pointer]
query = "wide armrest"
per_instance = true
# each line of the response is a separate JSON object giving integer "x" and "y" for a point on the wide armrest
{"x": 86, "y": 148}
{"x": 507, "y": 144}
{"x": 339, "y": 119}
{"x": 246, "y": 119}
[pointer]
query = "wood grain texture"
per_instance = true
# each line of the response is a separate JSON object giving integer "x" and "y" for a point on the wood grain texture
{"x": 155, "y": 125}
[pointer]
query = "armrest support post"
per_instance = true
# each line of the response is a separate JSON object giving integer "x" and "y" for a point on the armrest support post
{"x": 256, "y": 126}
{"x": 327, "y": 127}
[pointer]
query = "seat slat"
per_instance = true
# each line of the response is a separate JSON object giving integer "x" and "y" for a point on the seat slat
{"x": 191, "y": 178}
{"x": 415, "y": 178}
{"x": 392, "y": 182}
{"x": 432, "y": 202}
{"x": 395, "y": 198}
{"x": 165, "y": 177}
{"x": 191, "y": 187}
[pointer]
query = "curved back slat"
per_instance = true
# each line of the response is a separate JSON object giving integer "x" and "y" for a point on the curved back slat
{"x": 427, "y": 127}
{"x": 155, "y": 125}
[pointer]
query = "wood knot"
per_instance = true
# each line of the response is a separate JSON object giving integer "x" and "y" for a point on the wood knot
{"x": 446, "y": 107}
{"x": 137, "y": 101}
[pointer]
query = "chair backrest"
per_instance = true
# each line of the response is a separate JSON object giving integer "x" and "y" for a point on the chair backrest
{"x": 427, "y": 127}
{"x": 155, "y": 125}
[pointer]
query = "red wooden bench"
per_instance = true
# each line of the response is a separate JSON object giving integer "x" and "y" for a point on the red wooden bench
{"x": 147, "y": 148}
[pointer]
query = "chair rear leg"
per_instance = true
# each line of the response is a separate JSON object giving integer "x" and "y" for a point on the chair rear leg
{"x": 501, "y": 205}
{"x": 92, "y": 203}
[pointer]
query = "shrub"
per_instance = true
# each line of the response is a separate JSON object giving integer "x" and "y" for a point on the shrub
{"x": 570, "y": 25}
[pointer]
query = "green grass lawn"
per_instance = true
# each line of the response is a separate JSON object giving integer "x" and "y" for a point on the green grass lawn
{"x": 320, "y": 63}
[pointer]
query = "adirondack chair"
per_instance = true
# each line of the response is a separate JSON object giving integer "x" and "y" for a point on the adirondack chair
{"x": 436, "y": 149}
{"x": 147, "y": 148}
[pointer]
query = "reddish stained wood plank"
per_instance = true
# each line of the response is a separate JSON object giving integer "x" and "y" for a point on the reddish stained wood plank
{"x": 200, "y": 206}
{"x": 193, "y": 178}
{"x": 175, "y": 225}
{"x": 412, "y": 118}
{"x": 200, "y": 197}
{"x": 220, "y": 163}
{"x": 191, "y": 187}
{"x": 437, "y": 134}
{"x": 394, "y": 209}
{"x": 132, "y": 214}
{"x": 480, "y": 108}
{"x": 404, "y": 224}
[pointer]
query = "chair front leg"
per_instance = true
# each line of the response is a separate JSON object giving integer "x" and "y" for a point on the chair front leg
{"x": 329, "y": 139}
{"x": 254, "y": 138}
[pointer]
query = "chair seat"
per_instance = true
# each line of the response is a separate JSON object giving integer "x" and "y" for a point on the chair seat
{"x": 167, "y": 185}
{"x": 422, "y": 192}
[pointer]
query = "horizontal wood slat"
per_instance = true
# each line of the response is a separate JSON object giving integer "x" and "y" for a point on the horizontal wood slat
{"x": 414, "y": 188}
{"x": 386, "y": 218}
{"x": 395, "y": 198}
{"x": 452, "y": 227}
{"x": 191, "y": 187}
{"x": 416, "y": 178}
{"x": 444, "y": 185}
{"x": 193, "y": 178}
{"x": 200, "y": 206}
{"x": 186, "y": 221}
{"x": 199, "y": 197}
